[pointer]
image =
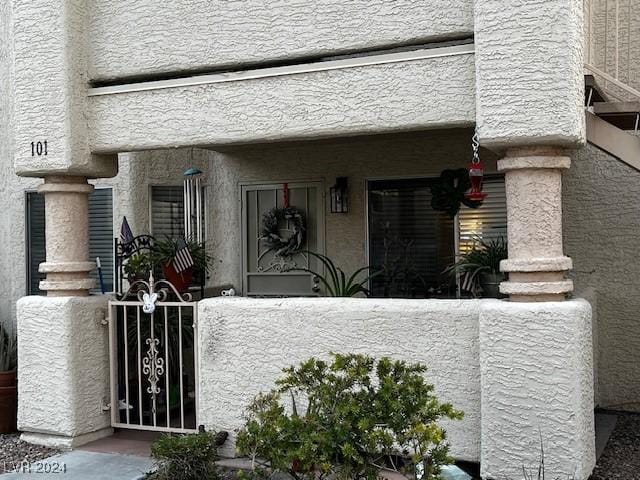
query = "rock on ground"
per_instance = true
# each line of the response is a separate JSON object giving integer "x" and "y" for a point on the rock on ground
{"x": 13, "y": 452}
{"x": 621, "y": 457}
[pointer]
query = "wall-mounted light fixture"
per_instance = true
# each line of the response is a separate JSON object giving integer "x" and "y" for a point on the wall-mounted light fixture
{"x": 340, "y": 196}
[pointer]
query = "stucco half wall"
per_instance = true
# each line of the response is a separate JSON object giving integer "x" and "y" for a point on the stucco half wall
{"x": 245, "y": 343}
{"x": 536, "y": 377}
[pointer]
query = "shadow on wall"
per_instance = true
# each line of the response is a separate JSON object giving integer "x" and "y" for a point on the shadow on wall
{"x": 601, "y": 228}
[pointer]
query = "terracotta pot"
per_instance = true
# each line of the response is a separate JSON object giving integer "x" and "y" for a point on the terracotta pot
{"x": 8, "y": 409}
{"x": 8, "y": 379}
{"x": 182, "y": 281}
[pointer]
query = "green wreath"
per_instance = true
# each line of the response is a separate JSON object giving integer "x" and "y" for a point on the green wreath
{"x": 448, "y": 192}
{"x": 270, "y": 233}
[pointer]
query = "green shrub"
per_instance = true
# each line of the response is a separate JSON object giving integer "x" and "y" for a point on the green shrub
{"x": 360, "y": 415}
{"x": 185, "y": 457}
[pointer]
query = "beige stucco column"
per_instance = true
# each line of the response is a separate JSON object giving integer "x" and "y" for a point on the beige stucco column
{"x": 67, "y": 236}
{"x": 536, "y": 263}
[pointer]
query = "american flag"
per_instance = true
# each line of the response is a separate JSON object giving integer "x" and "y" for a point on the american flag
{"x": 183, "y": 259}
{"x": 126, "y": 235}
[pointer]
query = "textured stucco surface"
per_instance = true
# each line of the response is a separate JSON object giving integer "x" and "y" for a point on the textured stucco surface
{"x": 244, "y": 343}
{"x": 423, "y": 154}
{"x": 50, "y": 89}
{"x": 529, "y": 68}
{"x": 421, "y": 94}
{"x": 148, "y": 37}
{"x": 601, "y": 235}
{"x": 63, "y": 380}
{"x": 537, "y": 381}
{"x": 612, "y": 48}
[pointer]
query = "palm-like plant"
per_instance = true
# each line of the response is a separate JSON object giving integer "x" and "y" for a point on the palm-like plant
{"x": 335, "y": 281}
{"x": 484, "y": 257}
{"x": 8, "y": 351}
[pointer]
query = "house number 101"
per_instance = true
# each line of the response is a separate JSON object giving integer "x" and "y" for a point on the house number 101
{"x": 38, "y": 149}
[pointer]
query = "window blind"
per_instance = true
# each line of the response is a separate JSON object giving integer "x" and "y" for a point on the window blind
{"x": 35, "y": 241}
{"x": 101, "y": 234}
{"x": 487, "y": 222}
{"x": 100, "y": 237}
{"x": 167, "y": 211}
{"x": 408, "y": 238}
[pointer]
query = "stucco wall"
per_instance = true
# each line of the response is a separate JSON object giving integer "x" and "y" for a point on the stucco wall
{"x": 244, "y": 344}
{"x": 537, "y": 385}
{"x": 517, "y": 370}
{"x": 612, "y": 32}
{"x": 63, "y": 380}
{"x": 138, "y": 171}
{"x": 387, "y": 156}
{"x": 529, "y": 72}
{"x": 601, "y": 225}
{"x": 408, "y": 95}
{"x": 147, "y": 37}
{"x": 12, "y": 197}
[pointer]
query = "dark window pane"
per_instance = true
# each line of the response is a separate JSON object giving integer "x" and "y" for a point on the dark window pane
{"x": 409, "y": 240}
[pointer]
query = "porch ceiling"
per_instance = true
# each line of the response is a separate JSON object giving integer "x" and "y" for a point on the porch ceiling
{"x": 424, "y": 89}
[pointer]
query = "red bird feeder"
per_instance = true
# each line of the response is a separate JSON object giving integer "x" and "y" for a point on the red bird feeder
{"x": 476, "y": 174}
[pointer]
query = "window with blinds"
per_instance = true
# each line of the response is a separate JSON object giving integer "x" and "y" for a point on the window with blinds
{"x": 167, "y": 211}
{"x": 414, "y": 244}
{"x": 487, "y": 222}
{"x": 408, "y": 239}
{"x": 100, "y": 237}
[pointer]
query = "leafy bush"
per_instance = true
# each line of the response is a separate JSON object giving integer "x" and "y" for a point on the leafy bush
{"x": 185, "y": 457}
{"x": 360, "y": 415}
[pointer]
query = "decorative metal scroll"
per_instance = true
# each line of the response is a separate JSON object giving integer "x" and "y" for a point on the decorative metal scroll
{"x": 150, "y": 292}
{"x": 141, "y": 242}
{"x": 153, "y": 366}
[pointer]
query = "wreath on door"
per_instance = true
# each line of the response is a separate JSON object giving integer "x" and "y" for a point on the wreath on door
{"x": 271, "y": 236}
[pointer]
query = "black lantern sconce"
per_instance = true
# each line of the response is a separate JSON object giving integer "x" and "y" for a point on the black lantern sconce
{"x": 340, "y": 196}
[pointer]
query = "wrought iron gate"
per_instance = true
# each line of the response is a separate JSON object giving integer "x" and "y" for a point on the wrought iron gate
{"x": 154, "y": 358}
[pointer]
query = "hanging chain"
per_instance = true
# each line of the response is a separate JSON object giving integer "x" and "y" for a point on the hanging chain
{"x": 475, "y": 143}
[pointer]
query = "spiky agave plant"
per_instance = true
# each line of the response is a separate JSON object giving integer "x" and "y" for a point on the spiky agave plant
{"x": 336, "y": 281}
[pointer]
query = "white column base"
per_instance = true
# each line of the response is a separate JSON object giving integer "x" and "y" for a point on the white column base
{"x": 64, "y": 443}
{"x": 63, "y": 379}
{"x": 536, "y": 362}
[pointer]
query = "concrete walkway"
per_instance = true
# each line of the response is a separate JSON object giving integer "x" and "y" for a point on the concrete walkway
{"x": 79, "y": 465}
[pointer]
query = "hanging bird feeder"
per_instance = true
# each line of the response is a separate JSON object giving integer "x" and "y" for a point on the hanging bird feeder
{"x": 476, "y": 173}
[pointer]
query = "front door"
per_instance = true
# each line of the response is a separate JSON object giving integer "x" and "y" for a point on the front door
{"x": 264, "y": 272}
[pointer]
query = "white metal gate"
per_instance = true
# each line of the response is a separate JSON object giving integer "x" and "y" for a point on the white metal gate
{"x": 154, "y": 359}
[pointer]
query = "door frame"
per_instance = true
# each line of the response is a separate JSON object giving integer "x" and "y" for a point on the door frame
{"x": 269, "y": 185}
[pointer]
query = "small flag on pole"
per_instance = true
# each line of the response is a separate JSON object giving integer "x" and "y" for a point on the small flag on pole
{"x": 126, "y": 235}
{"x": 468, "y": 282}
{"x": 183, "y": 259}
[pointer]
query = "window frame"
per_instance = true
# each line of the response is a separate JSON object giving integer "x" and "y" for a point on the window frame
{"x": 456, "y": 221}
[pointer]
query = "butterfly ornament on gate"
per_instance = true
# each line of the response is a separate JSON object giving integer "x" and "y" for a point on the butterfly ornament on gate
{"x": 149, "y": 302}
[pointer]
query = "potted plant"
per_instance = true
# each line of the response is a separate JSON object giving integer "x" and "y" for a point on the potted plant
{"x": 164, "y": 253}
{"x": 138, "y": 267}
{"x": 8, "y": 389}
{"x": 482, "y": 265}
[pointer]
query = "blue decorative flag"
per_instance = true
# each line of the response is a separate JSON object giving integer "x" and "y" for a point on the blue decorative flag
{"x": 126, "y": 235}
